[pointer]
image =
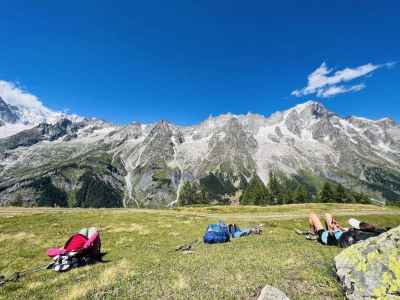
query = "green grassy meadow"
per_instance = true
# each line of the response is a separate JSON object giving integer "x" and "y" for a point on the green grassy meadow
{"x": 142, "y": 262}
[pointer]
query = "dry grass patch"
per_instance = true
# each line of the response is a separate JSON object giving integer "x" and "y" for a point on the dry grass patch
{"x": 18, "y": 236}
{"x": 103, "y": 280}
{"x": 77, "y": 292}
{"x": 164, "y": 225}
{"x": 34, "y": 285}
{"x": 180, "y": 283}
{"x": 132, "y": 227}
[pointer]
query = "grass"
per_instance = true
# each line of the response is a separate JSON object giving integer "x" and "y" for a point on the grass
{"x": 142, "y": 263}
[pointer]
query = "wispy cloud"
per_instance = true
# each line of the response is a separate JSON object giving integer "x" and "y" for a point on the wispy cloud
{"x": 339, "y": 89}
{"x": 323, "y": 82}
{"x": 15, "y": 95}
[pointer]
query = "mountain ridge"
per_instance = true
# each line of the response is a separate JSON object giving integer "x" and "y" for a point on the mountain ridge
{"x": 146, "y": 165}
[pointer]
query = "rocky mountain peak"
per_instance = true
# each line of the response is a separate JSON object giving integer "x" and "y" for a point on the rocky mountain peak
{"x": 219, "y": 121}
{"x": 359, "y": 122}
{"x": 386, "y": 122}
{"x": 310, "y": 115}
{"x": 162, "y": 128}
{"x": 312, "y": 110}
{"x": 135, "y": 124}
{"x": 61, "y": 128}
{"x": 135, "y": 129}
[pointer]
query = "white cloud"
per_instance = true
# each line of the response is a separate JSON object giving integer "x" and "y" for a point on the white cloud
{"x": 324, "y": 83}
{"x": 14, "y": 95}
{"x": 339, "y": 89}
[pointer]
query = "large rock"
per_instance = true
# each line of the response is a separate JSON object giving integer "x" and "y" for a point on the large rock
{"x": 371, "y": 269}
{"x": 271, "y": 293}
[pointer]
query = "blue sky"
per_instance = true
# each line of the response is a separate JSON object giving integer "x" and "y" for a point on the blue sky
{"x": 185, "y": 60}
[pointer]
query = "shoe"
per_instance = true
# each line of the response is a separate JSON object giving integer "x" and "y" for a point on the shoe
{"x": 311, "y": 237}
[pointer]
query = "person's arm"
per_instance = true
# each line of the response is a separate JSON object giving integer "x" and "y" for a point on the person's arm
{"x": 343, "y": 228}
{"x": 336, "y": 225}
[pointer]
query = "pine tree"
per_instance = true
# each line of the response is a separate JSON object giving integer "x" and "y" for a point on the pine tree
{"x": 196, "y": 194}
{"x": 288, "y": 188}
{"x": 243, "y": 184}
{"x": 18, "y": 200}
{"x": 327, "y": 194}
{"x": 300, "y": 195}
{"x": 275, "y": 189}
{"x": 361, "y": 197}
{"x": 186, "y": 195}
{"x": 192, "y": 193}
{"x": 340, "y": 194}
{"x": 204, "y": 196}
{"x": 256, "y": 193}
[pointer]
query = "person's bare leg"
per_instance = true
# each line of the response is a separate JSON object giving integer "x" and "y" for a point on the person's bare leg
{"x": 330, "y": 222}
{"x": 315, "y": 223}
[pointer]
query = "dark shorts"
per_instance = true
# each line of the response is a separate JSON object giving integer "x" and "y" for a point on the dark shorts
{"x": 330, "y": 240}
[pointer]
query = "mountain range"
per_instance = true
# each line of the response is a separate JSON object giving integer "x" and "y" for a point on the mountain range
{"x": 49, "y": 158}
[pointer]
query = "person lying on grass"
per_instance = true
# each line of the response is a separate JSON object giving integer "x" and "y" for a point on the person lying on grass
{"x": 235, "y": 231}
{"x": 335, "y": 234}
{"x": 330, "y": 235}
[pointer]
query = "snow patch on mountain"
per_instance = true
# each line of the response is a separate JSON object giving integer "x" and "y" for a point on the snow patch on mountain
{"x": 10, "y": 129}
{"x": 20, "y": 110}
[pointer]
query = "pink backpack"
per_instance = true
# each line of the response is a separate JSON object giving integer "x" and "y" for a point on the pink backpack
{"x": 86, "y": 242}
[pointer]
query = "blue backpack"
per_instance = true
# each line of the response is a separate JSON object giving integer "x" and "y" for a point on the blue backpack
{"x": 216, "y": 233}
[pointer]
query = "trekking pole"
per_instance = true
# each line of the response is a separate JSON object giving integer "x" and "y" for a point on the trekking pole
{"x": 187, "y": 247}
{"x": 17, "y": 275}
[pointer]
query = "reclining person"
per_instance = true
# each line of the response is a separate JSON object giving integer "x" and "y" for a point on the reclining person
{"x": 236, "y": 232}
{"x": 329, "y": 235}
{"x": 335, "y": 234}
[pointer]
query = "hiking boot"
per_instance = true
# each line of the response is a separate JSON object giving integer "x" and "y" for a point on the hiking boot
{"x": 299, "y": 232}
{"x": 311, "y": 237}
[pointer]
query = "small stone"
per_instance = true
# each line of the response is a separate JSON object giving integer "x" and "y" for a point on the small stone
{"x": 271, "y": 293}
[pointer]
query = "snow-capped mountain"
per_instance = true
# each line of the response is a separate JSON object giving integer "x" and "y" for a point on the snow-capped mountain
{"x": 92, "y": 163}
{"x": 17, "y": 117}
